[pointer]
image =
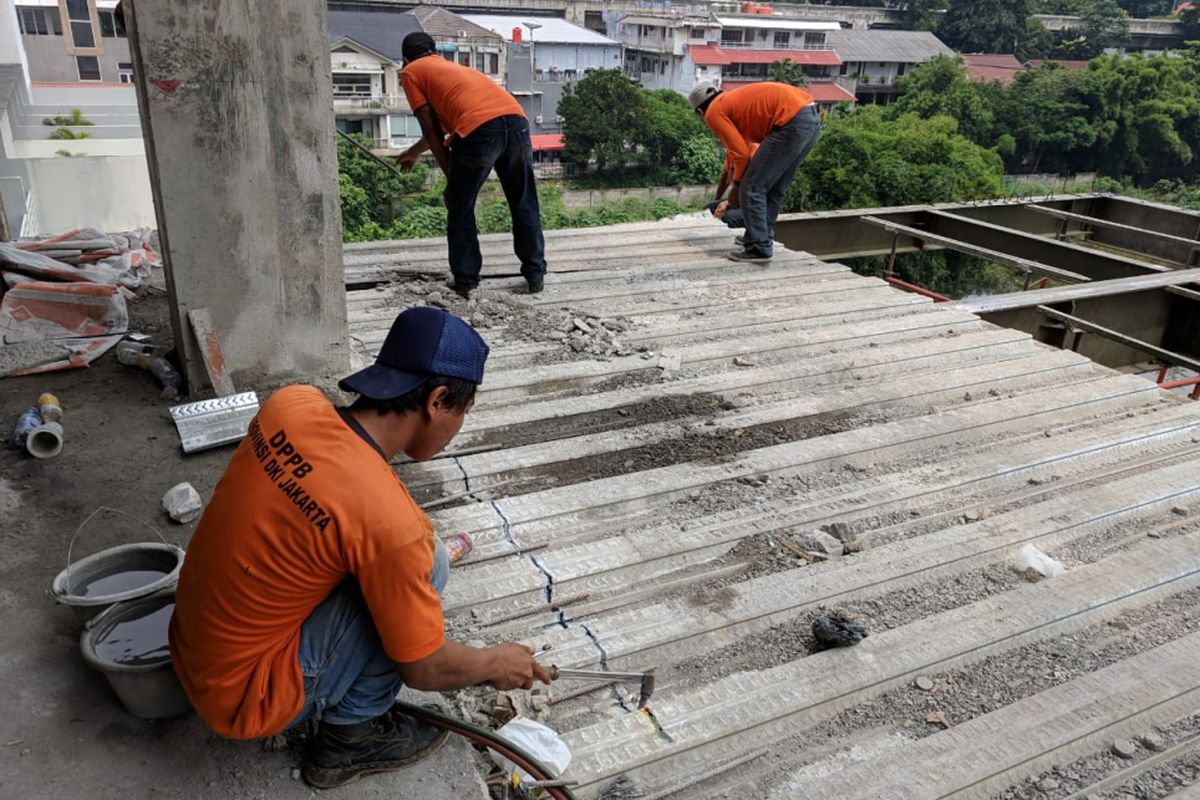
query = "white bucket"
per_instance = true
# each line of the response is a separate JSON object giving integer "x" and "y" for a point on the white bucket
{"x": 128, "y": 645}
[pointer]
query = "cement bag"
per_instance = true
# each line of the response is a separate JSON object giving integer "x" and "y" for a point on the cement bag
{"x": 538, "y": 741}
{"x": 85, "y": 318}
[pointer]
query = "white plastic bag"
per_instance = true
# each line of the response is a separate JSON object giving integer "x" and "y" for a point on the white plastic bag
{"x": 182, "y": 502}
{"x": 538, "y": 741}
{"x": 1031, "y": 558}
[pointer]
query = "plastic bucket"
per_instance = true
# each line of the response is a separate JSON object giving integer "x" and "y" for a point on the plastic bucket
{"x": 120, "y": 573}
{"x": 128, "y": 645}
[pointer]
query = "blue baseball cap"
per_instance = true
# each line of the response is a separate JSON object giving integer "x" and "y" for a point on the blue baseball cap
{"x": 423, "y": 343}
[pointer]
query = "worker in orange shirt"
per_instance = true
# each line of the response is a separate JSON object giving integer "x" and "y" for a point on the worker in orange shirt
{"x": 783, "y": 123}
{"x": 472, "y": 126}
{"x": 311, "y": 588}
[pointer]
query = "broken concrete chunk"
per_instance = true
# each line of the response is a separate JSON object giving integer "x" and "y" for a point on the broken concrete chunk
{"x": 581, "y": 325}
{"x": 1180, "y": 511}
{"x": 182, "y": 502}
{"x": 839, "y": 531}
{"x": 1123, "y": 748}
{"x": 822, "y": 542}
{"x": 1153, "y": 742}
{"x": 744, "y": 361}
{"x": 924, "y": 684}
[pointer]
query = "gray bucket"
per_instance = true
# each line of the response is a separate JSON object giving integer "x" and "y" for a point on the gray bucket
{"x": 128, "y": 644}
{"x": 120, "y": 573}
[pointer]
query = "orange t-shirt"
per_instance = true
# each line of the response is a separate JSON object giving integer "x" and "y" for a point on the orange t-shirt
{"x": 305, "y": 502}
{"x": 462, "y": 98}
{"x": 744, "y": 116}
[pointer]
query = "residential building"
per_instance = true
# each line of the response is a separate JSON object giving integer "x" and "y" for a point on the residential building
{"x": 751, "y": 43}
{"x": 992, "y": 67}
{"x": 657, "y": 44}
{"x": 74, "y": 41}
{"x": 366, "y": 61}
{"x": 545, "y": 55}
{"x": 872, "y": 60}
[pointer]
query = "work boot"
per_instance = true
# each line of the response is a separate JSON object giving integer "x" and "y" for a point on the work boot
{"x": 460, "y": 289}
{"x": 751, "y": 254}
{"x": 341, "y": 754}
{"x": 535, "y": 285}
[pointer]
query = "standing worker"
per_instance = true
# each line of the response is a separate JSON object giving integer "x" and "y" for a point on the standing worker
{"x": 782, "y": 121}
{"x": 311, "y": 586}
{"x": 472, "y": 125}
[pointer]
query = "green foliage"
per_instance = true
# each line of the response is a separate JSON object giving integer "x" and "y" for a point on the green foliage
{"x": 865, "y": 159}
{"x": 67, "y": 133}
{"x": 74, "y": 119}
{"x": 984, "y": 26}
{"x": 698, "y": 161}
{"x": 634, "y": 137}
{"x": 376, "y": 200}
{"x": 940, "y": 88}
{"x": 787, "y": 71}
{"x": 600, "y": 116}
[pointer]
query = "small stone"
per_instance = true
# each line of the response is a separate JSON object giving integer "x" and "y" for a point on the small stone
{"x": 822, "y": 542}
{"x": 1123, "y": 748}
{"x": 743, "y": 361}
{"x": 1180, "y": 511}
{"x": 1153, "y": 742}
{"x": 1119, "y": 625}
{"x": 24, "y": 751}
{"x": 924, "y": 684}
{"x": 622, "y": 412}
{"x": 1048, "y": 784}
{"x": 1155, "y": 534}
{"x": 581, "y": 325}
{"x": 972, "y": 516}
{"x": 295, "y": 774}
{"x": 967, "y": 397}
{"x": 839, "y": 531}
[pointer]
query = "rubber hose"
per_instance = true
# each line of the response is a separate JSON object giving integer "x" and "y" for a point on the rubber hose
{"x": 483, "y": 736}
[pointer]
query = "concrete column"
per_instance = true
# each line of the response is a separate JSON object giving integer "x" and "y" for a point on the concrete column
{"x": 236, "y": 102}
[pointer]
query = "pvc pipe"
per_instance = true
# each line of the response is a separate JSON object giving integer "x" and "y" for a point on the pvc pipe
{"x": 45, "y": 441}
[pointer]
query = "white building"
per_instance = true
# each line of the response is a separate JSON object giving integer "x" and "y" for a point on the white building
{"x": 656, "y": 47}
{"x": 546, "y": 54}
{"x": 873, "y": 60}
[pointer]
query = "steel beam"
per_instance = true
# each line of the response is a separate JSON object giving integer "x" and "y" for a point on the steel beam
{"x": 990, "y": 304}
{"x": 1167, "y": 356}
{"x": 1096, "y": 222}
{"x": 1025, "y": 265}
{"x": 1092, "y": 263}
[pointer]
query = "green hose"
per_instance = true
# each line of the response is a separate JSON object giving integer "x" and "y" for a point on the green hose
{"x": 488, "y": 739}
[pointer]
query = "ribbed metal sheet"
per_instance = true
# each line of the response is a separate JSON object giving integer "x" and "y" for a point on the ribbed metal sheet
{"x": 212, "y": 423}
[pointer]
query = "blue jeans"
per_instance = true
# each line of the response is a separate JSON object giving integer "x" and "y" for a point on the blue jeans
{"x": 348, "y": 677}
{"x": 771, "y": 172}
{"x": 502, "y": 144}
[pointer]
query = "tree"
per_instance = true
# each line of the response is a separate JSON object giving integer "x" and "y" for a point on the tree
{"x": 787, "y": 71}
{"x": 864, "y": 159}
{"x": 984, "y": 26}
{"x": 600, "y": 115}
{"x": 1102, "y": 25}
{"x": 1046, "y": 115}
{"x": 372, "y": 196}
{"x": 940, "y": 87}
{"x": 921, "y": 15}
{"x": 666, "y": 122}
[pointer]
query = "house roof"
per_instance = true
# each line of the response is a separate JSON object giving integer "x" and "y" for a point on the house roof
{"x": 382, "y": 30}
{"x": 442, "y": 24}
{"x": 547, "y": 141}
{"x": 905, "y": 47}
{"x": 709, "y": 55}
{"x": 776, "y": 23}
{"x": 1068, "y": 64}
{"x": 551, "y": 30}
{"x": 988, "y": 67}
{"x": 823, "y": 92}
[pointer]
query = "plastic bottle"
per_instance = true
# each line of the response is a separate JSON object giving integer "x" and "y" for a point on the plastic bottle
{"x": 49, "y": 408}
{"x": 29, "y": 420}
{"x": 459, "y": 546}
{"x": 152, "y": 358}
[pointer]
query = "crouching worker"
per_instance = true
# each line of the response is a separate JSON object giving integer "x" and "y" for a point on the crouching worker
{"x": 311, "y": 588}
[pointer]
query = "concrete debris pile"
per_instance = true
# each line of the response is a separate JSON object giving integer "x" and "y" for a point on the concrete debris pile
{"x": 64, "y": 297}
{"x": 582, "y": 335}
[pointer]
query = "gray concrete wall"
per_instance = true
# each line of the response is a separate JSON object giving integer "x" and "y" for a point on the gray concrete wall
{"x": 49, "y": 61}
{"x": 240, "y": 145}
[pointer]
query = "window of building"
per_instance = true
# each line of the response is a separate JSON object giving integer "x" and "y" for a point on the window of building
{"x": 125, "y": 71}
{"x": 351, "y": 85}
{"x": 900, "y": 69}
{"x": 405, "y": 126}
{"x": 111, "y": 26}
{"x": 783, "y": 38}
{"x": 481, "y": 62}
{"x": 493, "y": 64}
{"x": 731, "y": 37}
{"x": 845, "y": 69}
{"x": 594, "y": 21}
{"x": 696, "y": 33}
{"x": 814, "y": 39}
{"x": 89, "y": 68}
{"x": 449, "y": 55}
{"x": 33, "y": 22}
{"x": 79, "y": 15}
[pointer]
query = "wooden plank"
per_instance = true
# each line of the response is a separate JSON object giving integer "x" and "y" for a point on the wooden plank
{"x": 210, "y": 352}
{"x": 1023, "y": 264}
{"x": 991, "y": 304}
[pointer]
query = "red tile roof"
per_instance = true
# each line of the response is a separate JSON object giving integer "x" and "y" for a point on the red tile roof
{"x": 986, "y": 67}
{"x": 1068, "y": 64}
{"x": 709, "y": 55}
{"x": 821, "y": 92}
{"x": 547, "y": 141}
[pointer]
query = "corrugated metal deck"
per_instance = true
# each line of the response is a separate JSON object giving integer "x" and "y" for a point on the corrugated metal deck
{"x": 634, "y": 507}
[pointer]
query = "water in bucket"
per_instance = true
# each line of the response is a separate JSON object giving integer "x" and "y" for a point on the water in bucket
{"x": 137, "y": 641}
{"x": 119, "y": 582}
